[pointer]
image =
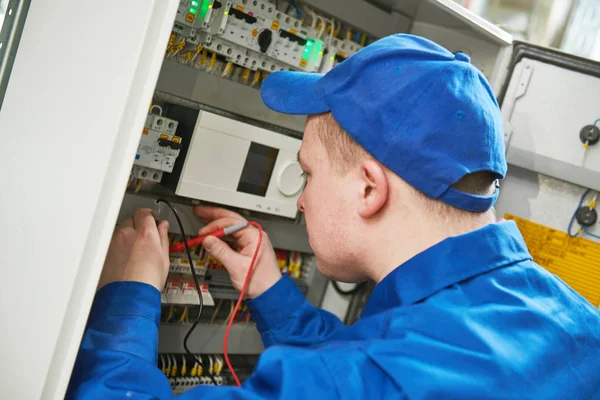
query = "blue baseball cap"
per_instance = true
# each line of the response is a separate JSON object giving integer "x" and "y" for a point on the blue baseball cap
{"x": 425, "y": 113}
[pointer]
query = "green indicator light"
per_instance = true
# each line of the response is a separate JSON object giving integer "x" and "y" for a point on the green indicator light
{"x": 309, "y": 43}
{"x": 193, "y": 11}
{"x": 320, "y": 53}
{"x": 332, "y": 58}
{"x": 305, "y": 57}
{"x": 195, "y": 3}
{"x": 206, "y": 4}
{"x": 306, "y": 50}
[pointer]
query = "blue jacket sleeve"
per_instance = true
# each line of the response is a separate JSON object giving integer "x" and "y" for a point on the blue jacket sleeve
{"x": 118, "y": 358}
{"x": 283, "y": 316}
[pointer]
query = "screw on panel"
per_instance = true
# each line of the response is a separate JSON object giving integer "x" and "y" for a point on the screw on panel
{"x": 589, "y": 135}
{"x": 586, "y": 216}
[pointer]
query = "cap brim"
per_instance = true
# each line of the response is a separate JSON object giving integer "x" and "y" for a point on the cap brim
{"x": 294, "y": 93}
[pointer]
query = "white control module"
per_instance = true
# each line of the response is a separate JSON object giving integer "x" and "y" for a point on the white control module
{"x": 241, "y": 165}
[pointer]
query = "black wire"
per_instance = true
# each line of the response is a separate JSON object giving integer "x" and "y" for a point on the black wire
{"x": 343, "y": 292}
{"x": 575, "y": 213}
{"x": 189, "y": 255}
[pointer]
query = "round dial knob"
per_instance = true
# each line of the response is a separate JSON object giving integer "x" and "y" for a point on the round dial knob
{"x": 290, "y": 180}
{"x": 264, "y": 40}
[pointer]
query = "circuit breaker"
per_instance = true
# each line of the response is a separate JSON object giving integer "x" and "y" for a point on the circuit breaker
{"x": 263, "y": 30}
{"x": 256, "y": 35}
{"x": 338, "y": 51}
{"x": 158, "y": 149}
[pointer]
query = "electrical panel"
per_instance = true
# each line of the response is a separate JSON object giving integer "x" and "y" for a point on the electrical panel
{"x": 258, "y": 36}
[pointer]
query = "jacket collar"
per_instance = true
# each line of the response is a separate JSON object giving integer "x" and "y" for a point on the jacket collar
{"x": 451, "y": 261}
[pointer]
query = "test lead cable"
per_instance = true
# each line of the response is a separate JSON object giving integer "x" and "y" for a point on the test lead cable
{"x": 196, "y": 283}
{"x": 195, "y": 242}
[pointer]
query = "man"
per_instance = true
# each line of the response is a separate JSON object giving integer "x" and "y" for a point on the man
{"x": 402, "y": 151}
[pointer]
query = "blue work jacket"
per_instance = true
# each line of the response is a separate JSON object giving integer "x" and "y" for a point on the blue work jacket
{"x": 473, "y": 317}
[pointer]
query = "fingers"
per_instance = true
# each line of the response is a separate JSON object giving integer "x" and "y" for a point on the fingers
{"x": 223, "y": 253}
{"x": 126, "y": 223}
{"x": 209, "y": 214}
{"x": 144, "y": 219}
{"x": 163, "y": 233}
{"x": 219, "y": 224}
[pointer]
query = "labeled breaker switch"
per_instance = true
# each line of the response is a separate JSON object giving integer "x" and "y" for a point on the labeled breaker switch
{"x": 169, "y": 143}
{"x": 292, "y": 37}
{"x": 239, "y": 14}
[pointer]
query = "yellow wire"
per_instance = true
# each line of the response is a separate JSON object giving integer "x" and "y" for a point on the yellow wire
{"x": 227, "y": 69}
{"x": 256, "y": 78}
{"x": 214, "y": 316}
{"x": 230, "y": 313}
{"x": 213, "y": 60}
{"x": 363, "y": 39}
{"x": 204, "y": 57}
{"x": 138, "y": 185}
{"x": 246, "y": 75}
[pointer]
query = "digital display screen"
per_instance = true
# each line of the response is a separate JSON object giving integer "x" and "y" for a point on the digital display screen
{"x": 258, "y": 169}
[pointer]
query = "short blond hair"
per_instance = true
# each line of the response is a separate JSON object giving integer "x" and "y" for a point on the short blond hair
{"x": 344, "y": 153}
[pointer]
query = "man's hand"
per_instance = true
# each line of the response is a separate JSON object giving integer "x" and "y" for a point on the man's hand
{"x": 266, "y": 272}
{"x": 139, "y": 251}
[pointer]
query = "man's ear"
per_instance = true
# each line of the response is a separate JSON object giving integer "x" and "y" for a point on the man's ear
{"x": 375, "y": 188}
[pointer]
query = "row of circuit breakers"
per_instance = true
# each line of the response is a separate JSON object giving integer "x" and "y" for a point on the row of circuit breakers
{"x": 255, "y": 35}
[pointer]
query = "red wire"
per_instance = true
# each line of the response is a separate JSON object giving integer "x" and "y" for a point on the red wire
{"x": 239, "y": 302}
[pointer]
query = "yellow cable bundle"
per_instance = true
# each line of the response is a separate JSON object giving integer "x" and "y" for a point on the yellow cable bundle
{"x": 171, "y": 45}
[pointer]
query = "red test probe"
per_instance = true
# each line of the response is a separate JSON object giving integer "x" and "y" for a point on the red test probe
{"x": 193, "y": 242}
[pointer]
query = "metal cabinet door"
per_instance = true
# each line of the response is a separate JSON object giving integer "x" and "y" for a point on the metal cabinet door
{"x": 74, "y": 107}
